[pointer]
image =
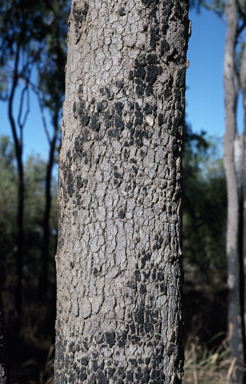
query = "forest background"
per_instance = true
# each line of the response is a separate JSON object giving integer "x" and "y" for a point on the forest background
{"x": 30, "y": 324}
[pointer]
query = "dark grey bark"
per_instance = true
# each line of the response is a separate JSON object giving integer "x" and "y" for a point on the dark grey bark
{"x": 119, "y": 314}
{"x": 18, "y": 152}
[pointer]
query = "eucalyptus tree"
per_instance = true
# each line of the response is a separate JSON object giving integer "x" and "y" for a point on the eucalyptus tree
{"x": 233, "y": 167}
{"x": 50, "y": 92}
{"x": 33, "y": 36}
{"x": 6, "y": 166}
{"x": 21, "y": 34}
{"x": 119, "y": 317}
{"x": 234, "y": 164}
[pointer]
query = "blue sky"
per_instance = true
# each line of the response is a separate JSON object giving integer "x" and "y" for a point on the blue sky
{"x": 204, "y": 96}
{"x": 204, "y": 79}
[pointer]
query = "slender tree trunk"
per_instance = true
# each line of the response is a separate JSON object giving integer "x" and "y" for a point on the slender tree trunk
{"x": 119, "y": 315}
{"x": 243, "y": 185}
{"x": 233, "y": 218}
{"x": 43, "y": 278}
{"x": 18, "y": 152}
{"x": 19, "y": 252}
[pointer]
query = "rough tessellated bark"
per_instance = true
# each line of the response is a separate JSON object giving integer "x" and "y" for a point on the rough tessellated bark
{"x": 119, "y": 315}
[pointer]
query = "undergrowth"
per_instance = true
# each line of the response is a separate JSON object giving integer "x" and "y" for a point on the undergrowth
{"x": 207, "y": 366}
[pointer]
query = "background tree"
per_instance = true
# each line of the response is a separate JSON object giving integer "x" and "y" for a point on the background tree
{"x": 51, "y": 79}
{"x": 6, "y": 158}
{"x": 35, "y": 40}
{"x": 37, "y": 333}
{"x": 231, "y": 152}
{"x": 234, "y": 162}
{"x": 21, "y": 27}
{"x": 118, "y": 263}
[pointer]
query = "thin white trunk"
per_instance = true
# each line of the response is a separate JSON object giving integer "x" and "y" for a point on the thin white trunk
{"x": 232, "y": 239}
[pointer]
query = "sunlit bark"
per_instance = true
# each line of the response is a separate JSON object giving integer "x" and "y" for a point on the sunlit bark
{"x": 119, "y": 315}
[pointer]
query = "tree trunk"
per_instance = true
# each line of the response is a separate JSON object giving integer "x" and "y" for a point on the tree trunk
{"x": 19, "y": 252}
{"x": 243, "y": 187}
{"x": 119, "y": 315}
{"x": 43, "y": 277}
{"x": 231, "y": 142}
{"x": 20, "y": 235}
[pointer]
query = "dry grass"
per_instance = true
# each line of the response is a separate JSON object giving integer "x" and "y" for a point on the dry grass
{"x": 47, "y": 374}
{"x": 203, "y": 366}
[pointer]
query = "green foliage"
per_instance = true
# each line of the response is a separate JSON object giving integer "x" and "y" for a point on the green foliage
{"x": 33, "y": 34}
{"x": 204, "y": 207}
{"x": 21, "y": 23}
{"x": 22, "y": 35}
{"x": 3, "y": 85}
{"x": 8, "y": 201}
{"x": 51, "y": 68}
{"x": 35, "y": 169}
{"x": 217, "y": 6}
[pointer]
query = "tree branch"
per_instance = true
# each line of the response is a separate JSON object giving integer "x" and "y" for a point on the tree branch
{"x": 24, "y": 91}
